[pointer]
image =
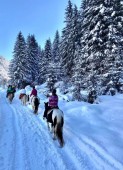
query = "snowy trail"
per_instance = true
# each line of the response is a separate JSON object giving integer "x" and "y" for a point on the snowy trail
{"x": 94, "y": 152}
{"x": 26, "y": 144}
{"x": 35, "y": 142}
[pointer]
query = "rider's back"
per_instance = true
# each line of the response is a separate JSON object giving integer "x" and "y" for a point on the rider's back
{"x": 34, "y": 92}
{"x": 53, "y": 101}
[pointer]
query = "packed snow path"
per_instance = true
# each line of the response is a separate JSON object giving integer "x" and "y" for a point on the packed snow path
{"x": 26, "y": 143}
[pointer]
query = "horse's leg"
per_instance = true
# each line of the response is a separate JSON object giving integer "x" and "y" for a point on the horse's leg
{"x": 36, "y": 108}
{"x": 54, "y": 128}
{"x": 59, "y": 131}
{"x": 9, "y": 100}
{"x": 33, "y": 107}
{"x": 48, "y": 125}
{"x": 35, "y": 111}
{"x": 25, "y": 100}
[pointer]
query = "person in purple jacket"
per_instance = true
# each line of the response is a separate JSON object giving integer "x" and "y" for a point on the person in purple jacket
{"x": 53, "y": 102}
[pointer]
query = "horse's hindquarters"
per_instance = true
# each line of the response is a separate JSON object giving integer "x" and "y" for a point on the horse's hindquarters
{"x": 24, "y": 99}
{"x": 10, "y": 97}
{"x": 56, "y": 117}
{"x": 35, "y": 104}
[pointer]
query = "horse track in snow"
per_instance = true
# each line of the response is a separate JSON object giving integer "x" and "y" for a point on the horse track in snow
{"x": 26, "y": 144}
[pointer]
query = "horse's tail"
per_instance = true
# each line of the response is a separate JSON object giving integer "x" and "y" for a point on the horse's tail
{"x": 59, "y": 130}
{"x": 28, "y": 98}
{"x": 36, "y": 102}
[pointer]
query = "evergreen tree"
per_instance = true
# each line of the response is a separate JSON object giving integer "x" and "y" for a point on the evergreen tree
{"x": 47, "y": 60}
{"x": 42, "y": 67}
{"x": 39, "y": 63}
{"x": 56, "y": 62}
{"x": 66, "y": 51}
{"x": 18, "y": 63}
{"x": 32, "y": 58}
{"x": 100, "y": 41}
{"x": 55, "y": 48}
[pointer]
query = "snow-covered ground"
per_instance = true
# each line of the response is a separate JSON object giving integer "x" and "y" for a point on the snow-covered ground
{"x": 93, "y": 135}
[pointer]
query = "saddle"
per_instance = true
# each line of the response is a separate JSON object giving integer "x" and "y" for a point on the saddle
{"x": 21, "y": 95}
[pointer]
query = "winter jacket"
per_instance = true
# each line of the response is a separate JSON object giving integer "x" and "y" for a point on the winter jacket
{"x": 34, "y": 92}
{"x": 10, "y": 90}
{"x": 53, "y": 101}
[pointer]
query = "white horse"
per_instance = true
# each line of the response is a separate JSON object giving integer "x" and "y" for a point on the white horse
{"x": 35, "y": 104}
{"x": 24, "y": 99}
{"x": 56, "y": 117}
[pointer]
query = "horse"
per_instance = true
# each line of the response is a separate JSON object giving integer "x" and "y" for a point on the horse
{"x": 10, "y": 97}
{"x": 35, "y": 104}
{"x": 24, "y": 99}
{"x": 56, "y": 117}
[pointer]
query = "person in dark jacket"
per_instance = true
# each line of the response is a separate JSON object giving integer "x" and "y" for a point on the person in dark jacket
{"x": 53, "y": 102}
{"x": 11, "y": 89}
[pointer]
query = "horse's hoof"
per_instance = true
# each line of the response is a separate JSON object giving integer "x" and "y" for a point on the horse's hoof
{"x": 54, "y": 138}
{"x": 61, "y": 145}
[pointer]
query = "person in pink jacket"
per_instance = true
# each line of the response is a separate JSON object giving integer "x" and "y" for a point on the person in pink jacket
{"x": 53, "y": 102}
{"x": 33, "y": 94}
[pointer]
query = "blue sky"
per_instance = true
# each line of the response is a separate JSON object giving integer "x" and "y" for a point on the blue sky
{"x": 39, "y": 17}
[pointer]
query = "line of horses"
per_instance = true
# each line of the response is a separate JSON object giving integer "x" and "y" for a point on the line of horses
{"x": 54, "y": 117}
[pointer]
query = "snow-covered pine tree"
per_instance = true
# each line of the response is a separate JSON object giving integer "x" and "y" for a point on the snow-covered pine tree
{"x": 39, "y": 63}
{"x": 55, "y": 48}
{"x": 100, "y": 41}
{"x": 11, "y": 70}
{"x": 75, "y": 34}
{"x": 32, "y": 58}
{"x": 116, "y": 69}
{"x": 18, "y": 63}
{"x": 79, "y": 59}
{"x": 66, "y": 51}
{"x": 42, "y": 67}
{"x": 47, "y": 61}
{"x": 56, "y": 62}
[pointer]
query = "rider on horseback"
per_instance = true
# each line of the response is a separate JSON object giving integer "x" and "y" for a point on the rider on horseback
{"x": 11, "y": 89}
{"x": 33, "y": 93}
{"x": 53, "y": 103}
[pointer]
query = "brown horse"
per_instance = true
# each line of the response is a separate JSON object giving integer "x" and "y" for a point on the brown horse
{"x": 10, "y": 97}
{"x": 24, "y": 99}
